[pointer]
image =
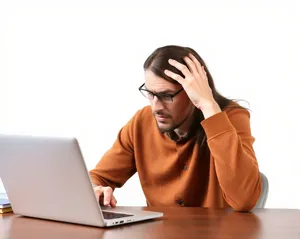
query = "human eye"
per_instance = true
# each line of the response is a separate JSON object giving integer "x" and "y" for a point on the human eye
{"x": 165, "y": 97}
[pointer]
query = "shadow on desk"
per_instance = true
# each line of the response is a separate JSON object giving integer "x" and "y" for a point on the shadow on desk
{"x": 239, "y": 225}
{"x": 26, "y": 227}
{"x": 23, "y": 227}
{"x": 175, "y": 224}
{"x": 206, "y": 223}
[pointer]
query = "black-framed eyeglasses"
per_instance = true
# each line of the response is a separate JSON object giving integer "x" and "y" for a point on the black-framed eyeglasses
{"x": 160, "y": 96}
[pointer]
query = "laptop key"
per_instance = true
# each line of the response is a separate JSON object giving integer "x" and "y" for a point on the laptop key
{"x": 114, "y": 215}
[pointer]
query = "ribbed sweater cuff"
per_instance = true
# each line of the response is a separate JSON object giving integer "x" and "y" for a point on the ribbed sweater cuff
{"x": 217, "y": 125}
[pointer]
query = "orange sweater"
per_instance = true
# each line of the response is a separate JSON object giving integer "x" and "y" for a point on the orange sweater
{"x": 218, "y": 176}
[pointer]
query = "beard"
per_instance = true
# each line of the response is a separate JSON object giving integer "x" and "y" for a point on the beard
{"x": 166, "y": 128}
{"x": 169, "y": 127}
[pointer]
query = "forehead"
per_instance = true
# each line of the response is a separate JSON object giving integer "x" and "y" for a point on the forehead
{"x": 157, "y": 84}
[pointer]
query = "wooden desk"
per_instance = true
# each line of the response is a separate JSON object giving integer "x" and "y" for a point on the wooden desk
{"x": 178, "y": 222}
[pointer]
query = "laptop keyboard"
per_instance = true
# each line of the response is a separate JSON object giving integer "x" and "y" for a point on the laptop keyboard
{"x": 114, "y": 215}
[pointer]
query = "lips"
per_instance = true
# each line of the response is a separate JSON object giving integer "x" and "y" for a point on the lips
{"x": 161, "y": 118}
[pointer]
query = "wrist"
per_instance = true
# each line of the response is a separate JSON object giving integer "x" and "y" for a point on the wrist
{"x": 96, "y": 185}
{"x": 210, "y": 109}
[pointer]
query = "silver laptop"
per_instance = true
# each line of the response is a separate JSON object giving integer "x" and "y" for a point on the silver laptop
{"x": 46, "y": 177}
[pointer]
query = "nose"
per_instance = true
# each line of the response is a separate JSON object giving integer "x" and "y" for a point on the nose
{"x": 156, "y": 104}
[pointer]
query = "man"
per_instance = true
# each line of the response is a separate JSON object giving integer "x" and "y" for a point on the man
{"x": 191, "y": 147}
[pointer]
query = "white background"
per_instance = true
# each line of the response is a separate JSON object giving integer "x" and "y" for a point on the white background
{"x": 73, "y": 68}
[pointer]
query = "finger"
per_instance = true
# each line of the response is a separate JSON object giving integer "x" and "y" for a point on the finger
{"x": 203, "y": 73}
{"x": 203, "y": 70}
{"x": 191, "y": 65}
{"x": 196, "y": 62}
{"x": 107, "y": 191}
{"x": 185, "y": 71}
{"x": 113, "y": 202}
{"x": 99, "y": 195}
{"x": 199, "y": 67}
{"x": 174, "y": 76}
{"x": 97, "y": 192}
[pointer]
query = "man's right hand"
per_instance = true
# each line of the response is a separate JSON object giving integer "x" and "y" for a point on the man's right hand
{"x": 105, "y": 196}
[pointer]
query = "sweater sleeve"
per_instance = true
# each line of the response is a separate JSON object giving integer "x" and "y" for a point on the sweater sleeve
{"x": 230, "y": 142}
{"x": 117, "y": 165}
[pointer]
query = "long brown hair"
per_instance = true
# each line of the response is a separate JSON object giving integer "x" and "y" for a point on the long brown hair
{"x": 157, "y": 62}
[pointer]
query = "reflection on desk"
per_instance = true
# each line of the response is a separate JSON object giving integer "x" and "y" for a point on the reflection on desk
{"x": 178, "y": 222}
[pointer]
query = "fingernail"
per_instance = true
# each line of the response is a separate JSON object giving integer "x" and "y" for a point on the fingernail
{"x": 106, "y": 202}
